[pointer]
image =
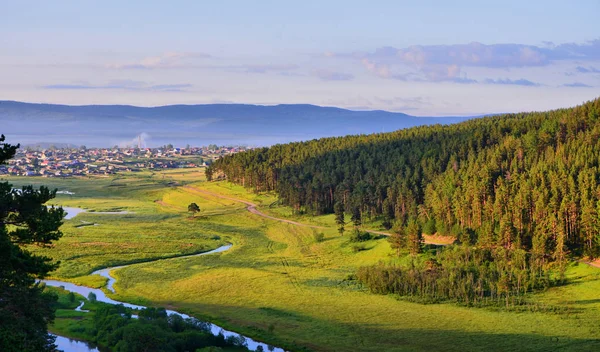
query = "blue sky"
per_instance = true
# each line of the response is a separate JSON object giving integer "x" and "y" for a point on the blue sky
{"x": 422, "y": 58}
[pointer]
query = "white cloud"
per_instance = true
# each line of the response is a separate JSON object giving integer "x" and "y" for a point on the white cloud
{"x": 447, "y": 63}
{"x": 264, "y": 68}
{"x": 518, "y": 82}
{"x": 167, "y": 60}
{"x": 379, "y": 69}
{"x": 327, "y": 75}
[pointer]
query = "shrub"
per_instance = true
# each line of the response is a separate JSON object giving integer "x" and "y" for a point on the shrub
{"x": 429, "y": 227}
{"x": 318, "y": 236}
{"x": 358, "y": 248}
{"x": 360, "y": 236}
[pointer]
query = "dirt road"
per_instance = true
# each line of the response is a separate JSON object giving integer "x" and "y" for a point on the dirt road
{"x": 251, "y": 207}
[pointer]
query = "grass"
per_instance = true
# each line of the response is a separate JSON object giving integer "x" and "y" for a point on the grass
{"x": 278, "y": 277}
{"x": 280, "y": 285}
{"x": 121, "y": 238}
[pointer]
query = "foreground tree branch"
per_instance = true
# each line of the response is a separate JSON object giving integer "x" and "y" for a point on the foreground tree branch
{"x": 25, "y": 309}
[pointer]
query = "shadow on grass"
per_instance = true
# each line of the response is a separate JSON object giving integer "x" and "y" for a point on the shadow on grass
{"x": 298, "y": 332}
{"x": 587, "y": 301}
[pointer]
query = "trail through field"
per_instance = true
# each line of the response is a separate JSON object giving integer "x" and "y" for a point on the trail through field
{"x": 167, "y": 205}
{"x": 251, "y": 207}
{"x": 594, "y": 263}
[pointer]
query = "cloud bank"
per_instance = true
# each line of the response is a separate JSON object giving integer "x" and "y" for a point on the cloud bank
{"x": 576, "y": 85}
{"x": 123, "y": 85}
{"x": 518, "y": 82}
{"x": 327, "y": 75}
{"x": 446, "y": 63}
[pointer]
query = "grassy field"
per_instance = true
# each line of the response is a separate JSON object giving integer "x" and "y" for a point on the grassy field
{"x": 280, "y": 285}
{"x": 149, "y": 231}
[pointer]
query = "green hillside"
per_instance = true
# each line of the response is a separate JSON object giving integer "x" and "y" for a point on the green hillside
{"x": 526, "y": 180}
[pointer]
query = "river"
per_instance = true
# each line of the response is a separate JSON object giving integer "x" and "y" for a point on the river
{"x": 101, "y": 296}
{"x": 72, "y": 212}
{"x": 69, "y": 345}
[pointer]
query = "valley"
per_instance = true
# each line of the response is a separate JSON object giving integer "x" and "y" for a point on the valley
{"x": 299, "y": 176}
{"x": 281, "y": 283}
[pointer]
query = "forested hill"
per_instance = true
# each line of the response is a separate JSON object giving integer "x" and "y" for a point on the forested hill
{"x": 527, "y": 180}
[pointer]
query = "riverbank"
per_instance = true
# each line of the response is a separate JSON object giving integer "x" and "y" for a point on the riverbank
{"x": 100, "y": 296}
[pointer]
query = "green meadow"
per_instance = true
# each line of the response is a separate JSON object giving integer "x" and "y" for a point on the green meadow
{"x": 280, "y": 283}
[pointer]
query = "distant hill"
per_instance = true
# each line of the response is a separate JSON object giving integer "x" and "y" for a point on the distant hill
{"x": 107, "y": 125}
{"x": 47, "y": 145}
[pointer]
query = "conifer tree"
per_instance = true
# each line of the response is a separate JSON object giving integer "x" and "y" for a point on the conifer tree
{"x": 356, "y": 217}
{"x": 25, "y": 308}
{"x": 340, "y": 217}
{"x": 398, "y": 239}
{"x": 414, "y": 235}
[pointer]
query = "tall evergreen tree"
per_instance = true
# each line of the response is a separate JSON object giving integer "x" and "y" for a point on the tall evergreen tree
{"x": 590, "y": 227}
{"x": 340, "y": 217}
{"x": 414, "y": 236}
{"x": 398, "y": 239}
{"x": 356, "y": 217}
{"x": 25, "y": 308}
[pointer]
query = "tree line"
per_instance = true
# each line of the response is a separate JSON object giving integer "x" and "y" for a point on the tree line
{"x": 155, "y": 330}
{"x": 464, "y": 274}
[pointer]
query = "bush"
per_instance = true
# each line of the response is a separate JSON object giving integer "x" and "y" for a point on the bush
{"x": 92, "y": 297}
{"x": 358, "y": 248}
{"x": 318, "y": 236}
{"x": 360, "y": 236}
{"x": 457, "y": 232}
{"x": 443, "y": 230}
{"x": 429, "y": 227}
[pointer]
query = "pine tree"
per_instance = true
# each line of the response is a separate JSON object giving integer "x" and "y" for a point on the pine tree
{"x": 339, "y": 217}
{"x": 209, "y": 173}
{"x": 589, "y": 224}
{"x": 25, "y": 308}
{"x": 356, "y": 217}
{"x": 193, "y": 208}
{"x": 398, "y": 239}
{"x": 414, "y": 235}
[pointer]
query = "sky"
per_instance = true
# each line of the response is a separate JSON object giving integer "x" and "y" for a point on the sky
{"x": 424, "y": 58}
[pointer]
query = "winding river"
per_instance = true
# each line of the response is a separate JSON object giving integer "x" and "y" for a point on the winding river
{"x": 72, "y": 212}
{"x": 68, "y": 345}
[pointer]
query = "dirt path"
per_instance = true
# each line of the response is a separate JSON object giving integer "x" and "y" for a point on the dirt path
{"x": 167, "y": 205}
{"x": 251, "y": 207}
{"x": 595, "y": 263}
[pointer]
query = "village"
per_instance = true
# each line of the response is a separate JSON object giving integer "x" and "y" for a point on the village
{"x": 82, "y": 161}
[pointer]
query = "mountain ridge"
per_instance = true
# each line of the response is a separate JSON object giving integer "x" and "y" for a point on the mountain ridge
{"x": 103, "y": 125}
